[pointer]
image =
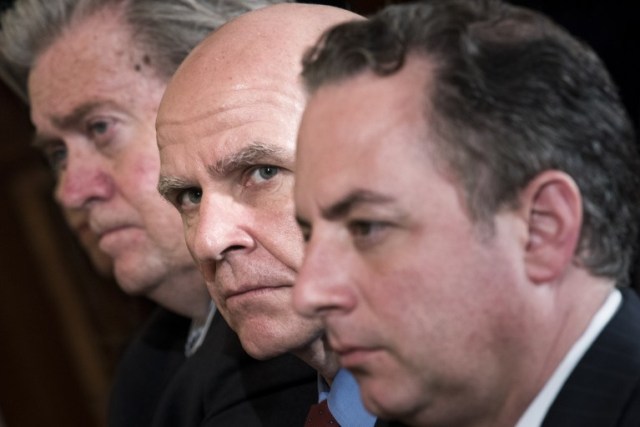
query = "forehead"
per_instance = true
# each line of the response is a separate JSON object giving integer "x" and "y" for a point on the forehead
{"x": 365, "y": 116}
{"x": 368, "y": 134}
{"x": 93, "y": 59}
{"x": 224, "y": 111}
{"x": 233, "y": 80}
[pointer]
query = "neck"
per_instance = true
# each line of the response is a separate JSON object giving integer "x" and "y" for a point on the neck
{"x": 565, "y": 316}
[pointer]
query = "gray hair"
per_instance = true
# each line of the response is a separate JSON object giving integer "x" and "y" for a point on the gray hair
{"x": 165, "y": 30}
{"x": 513, "y": 95}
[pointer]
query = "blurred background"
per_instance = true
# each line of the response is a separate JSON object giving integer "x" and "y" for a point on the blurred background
{"x": 63, "y": 325}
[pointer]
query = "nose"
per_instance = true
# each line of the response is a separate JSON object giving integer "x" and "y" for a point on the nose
{"x": 222, "y": 229}
{"x": 83, "y": 180}
{"x": 324, "y": 282}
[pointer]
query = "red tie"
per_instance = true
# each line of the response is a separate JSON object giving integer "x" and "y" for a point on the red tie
{"x": 320, "y": 416}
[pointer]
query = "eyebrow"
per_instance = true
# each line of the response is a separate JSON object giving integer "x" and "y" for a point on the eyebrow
{"x": 69, "y": 121}
{"x": 356, "y": 198}
{"x": 344, "y": 206}
{"x": 167, "y": 185}
{"x": 250, "y": 155}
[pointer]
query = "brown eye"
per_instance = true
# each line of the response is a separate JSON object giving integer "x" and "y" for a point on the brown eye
{"x": 361, "y": 228}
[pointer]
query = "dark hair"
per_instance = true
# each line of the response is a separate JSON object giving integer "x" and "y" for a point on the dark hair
{"x": 512, "y": 95}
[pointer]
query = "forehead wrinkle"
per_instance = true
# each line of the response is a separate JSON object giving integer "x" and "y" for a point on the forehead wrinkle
{"x": 233, "y": 99}
{"x": 250, "y": 155}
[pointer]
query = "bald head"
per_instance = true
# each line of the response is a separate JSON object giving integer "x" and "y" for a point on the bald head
{"x": 258, "y": 47}
{"x": 227, "y": 129}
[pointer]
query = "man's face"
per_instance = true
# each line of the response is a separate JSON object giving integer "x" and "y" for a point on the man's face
{"x": 94, "y": 100}
{"x": 415, "y": 303}
{"x": 227, "y": 154}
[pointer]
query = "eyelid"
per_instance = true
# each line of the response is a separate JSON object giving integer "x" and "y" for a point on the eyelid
{"x": 171, "y": 195}
{"x": 51, "y": 148}
{"x": 372, "y": 237}
{"x": 181, "y": 193}
{"x": 251, "y": 170}
{"x": 107, "y": 134}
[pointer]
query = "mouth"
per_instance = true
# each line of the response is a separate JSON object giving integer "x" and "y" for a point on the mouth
{"x": 253, "y": 291}
{"x": 352, "y": 355}
{"x": 113, "y": 237}
{"x": 355, "y": 357}
{"x": 112, "y": 230}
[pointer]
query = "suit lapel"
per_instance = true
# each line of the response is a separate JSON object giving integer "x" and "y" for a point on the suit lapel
{"x": 603, "y": 388}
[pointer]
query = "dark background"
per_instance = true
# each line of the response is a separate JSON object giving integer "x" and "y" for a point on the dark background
{"x": 62, "y": 327}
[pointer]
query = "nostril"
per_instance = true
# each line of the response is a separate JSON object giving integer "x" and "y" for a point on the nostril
{"x": 228, "y": 251}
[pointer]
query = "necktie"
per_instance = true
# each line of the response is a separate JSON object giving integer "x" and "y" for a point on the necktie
{"x": 320, "y": 416}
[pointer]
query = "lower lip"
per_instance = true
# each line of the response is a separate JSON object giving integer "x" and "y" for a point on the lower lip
{"x": 114, "y": 238}
{"x": 355, "y": 358}
{"x": 256, "y": 293}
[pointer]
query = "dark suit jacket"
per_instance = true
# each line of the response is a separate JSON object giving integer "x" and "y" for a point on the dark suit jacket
{"x": 219, "y": 385}
{"x": 604, "y": 388}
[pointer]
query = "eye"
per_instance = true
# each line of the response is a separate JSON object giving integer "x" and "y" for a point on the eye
{"x": 56, "y": 156}
{"x": 361, "y": 228}
{"x": 263, "y": 173}
{"x": 100, "y": 130}
{"x": 367, "y": 233}
{"x": 189, "y": 198}
{"x": 99, "y": 127}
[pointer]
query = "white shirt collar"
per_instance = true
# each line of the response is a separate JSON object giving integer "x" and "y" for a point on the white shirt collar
{"x": 537, "y": 410}
{"x": 198, "y": 332}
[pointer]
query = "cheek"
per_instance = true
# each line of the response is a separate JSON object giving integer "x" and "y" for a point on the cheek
{"x": 189, "y": 233}
{"x": 138, "y": 175}
{"x": 418, "y": 305}
{"x": 211, "y": 286}
{"x": 286, "y": 240}
{"x": 139, "y": 161}
{"x": 279, "y": 232}
{"x": 138, "y": 181}
{"x": 453, "y": 309}
{"x": 146, "y": 171}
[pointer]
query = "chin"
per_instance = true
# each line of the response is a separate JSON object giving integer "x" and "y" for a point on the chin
{"x": 378, "y": 399}
{"x": 264, "y": 347}
{"x": 134, "y": 281}
{"x": 262, "y": 343}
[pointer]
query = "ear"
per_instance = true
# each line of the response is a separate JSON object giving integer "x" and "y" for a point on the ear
{"x": 553, "y": 206}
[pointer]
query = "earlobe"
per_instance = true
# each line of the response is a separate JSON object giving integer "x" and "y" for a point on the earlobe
{"x": 553, "y": 207}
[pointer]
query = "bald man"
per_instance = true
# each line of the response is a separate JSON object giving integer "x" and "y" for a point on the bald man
{"x": 94, "y": 72}
{"x": 226, "y": 130}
